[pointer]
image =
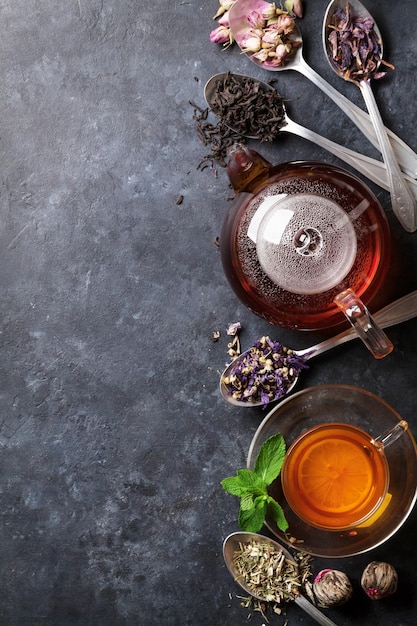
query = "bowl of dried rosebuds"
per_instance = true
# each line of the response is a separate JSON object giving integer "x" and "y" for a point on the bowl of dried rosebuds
{"x": 268, "y": 35}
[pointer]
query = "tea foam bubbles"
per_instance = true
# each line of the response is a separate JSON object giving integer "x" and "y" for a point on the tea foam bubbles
{"x": 306, "y": 243}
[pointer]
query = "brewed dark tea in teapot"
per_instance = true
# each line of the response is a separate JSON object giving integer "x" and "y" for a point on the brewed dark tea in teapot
{"x": 300, "y": 236}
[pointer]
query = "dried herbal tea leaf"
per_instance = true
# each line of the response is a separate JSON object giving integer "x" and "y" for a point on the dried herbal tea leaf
{"x": 355, "y": 48}
{"x": 264, "y": 373}
{"x": 267, "y": 572}
{"x": 241, "y": 103}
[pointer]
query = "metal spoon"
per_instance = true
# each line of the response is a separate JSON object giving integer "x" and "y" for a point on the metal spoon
{"x": 402, "y": 202}
{"x": 400, "y": 310}
{"x": 232, "y": 544}
{"x": 405, "y": 155}
{"x": 373, "y": 169}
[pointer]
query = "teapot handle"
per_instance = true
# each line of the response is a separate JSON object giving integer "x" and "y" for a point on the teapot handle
{"x": 362, "y": 321}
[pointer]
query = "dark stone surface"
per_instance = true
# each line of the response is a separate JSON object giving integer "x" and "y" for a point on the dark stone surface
{"x": 114, "y": 438}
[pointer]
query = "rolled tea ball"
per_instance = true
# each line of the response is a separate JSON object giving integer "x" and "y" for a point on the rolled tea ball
{"x": 379, "y": 580}
{"x": 332, "y": 588}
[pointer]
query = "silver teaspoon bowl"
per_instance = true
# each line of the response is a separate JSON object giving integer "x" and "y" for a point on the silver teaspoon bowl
{"x": 402, "y": 201}
{"x": 238, "y": 19}
{"x": 234, "y": 542}
{"x": 371, "y": 168}
{"x": 399, "y": 311}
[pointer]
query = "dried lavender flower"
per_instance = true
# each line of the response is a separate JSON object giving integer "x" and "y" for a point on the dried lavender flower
{"x": 264, "y": 373}
{"x": 234, "y": 328}
{"x": 332, "y": 588}
{"x": 379, "y": 580}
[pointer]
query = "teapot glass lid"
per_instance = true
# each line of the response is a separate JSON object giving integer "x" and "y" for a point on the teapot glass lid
{"x": 305, "y": 243}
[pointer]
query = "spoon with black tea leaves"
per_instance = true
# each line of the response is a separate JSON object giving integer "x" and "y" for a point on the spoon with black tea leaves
{"x": 396, "y": 312}
{"x": 238, "y": 19}
{"x": 336, "y": 37}
{"x": 233, "y": 546}
{"x": 373, "y": 169}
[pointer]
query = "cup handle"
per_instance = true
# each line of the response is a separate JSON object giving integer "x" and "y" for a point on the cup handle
{"x": 362, "y": 321}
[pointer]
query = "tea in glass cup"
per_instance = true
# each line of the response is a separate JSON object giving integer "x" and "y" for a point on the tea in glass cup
{"x": 334, "y": 477}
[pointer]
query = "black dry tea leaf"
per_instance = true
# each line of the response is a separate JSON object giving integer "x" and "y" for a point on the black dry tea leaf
{"x": 218, "y": 137}
{"x": 244, "y": 109}
{"x": 242, "y": 103}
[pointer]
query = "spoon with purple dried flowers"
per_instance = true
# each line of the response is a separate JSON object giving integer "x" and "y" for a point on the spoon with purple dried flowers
{"x": 255, "y": 110}
{"x": 353, "y": 47}
{"x": 240, "y": 26}
{"x": 269, "y": 371}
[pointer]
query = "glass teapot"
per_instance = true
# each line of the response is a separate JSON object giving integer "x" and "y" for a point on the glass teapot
{"x": 305, "y": 244}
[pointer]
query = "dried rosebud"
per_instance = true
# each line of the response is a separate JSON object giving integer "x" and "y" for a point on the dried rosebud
{"x": 261, "y": 56}
{"x": 271, "y": 38}
{"x": 251, "y": 42}
{"x": 256, "y": 20}
{"x": 266, "y": 9}
{"x": 285, "y": 24}
{"x": 379, "y": 580}
{"x": 225, "y": 5}
{"x": 332, "y": 588}
{"x": 295, "y": 7}
{"x": 224, "y": 20}
{"x": 222, "y": 34}
{"x": 278, "y": 56}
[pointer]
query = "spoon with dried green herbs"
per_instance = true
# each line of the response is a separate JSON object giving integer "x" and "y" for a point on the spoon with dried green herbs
{"x": 239, "y": 26}
{"x": 268, "y": 572}
{"x": 268, "y": 371}
{"x": 255, "y": 110}
{"x": 354, "y": 49}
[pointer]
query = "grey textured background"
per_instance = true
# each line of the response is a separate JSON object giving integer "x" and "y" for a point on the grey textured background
{"x": 113, "y": 436}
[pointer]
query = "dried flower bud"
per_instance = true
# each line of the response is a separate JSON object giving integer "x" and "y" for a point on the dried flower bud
{"x": 295, "y": 7}
{"x": 256, "y": 20}
{"x": 271, "y": 37}
{"x": 225, "y": 5}
{"x": 222, "y": 34}
{"x": 285, "y": 24}
{"x": 224, "y": 20}
{"x": 234, "y": 328}
{"x": 379, "y": 580}
{"x": 251, "y": 42}
{"x": 332, "y": 588}
{"x": 266, "y": 9}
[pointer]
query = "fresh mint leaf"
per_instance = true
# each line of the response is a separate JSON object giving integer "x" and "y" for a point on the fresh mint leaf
{"x": 246, "y": 502}
{"x": 277, "y": 514}
{"x": 244, "y": 482}
{"x": 234, "y": 485}
{"x": 253, "y": 481}
{"x": 270, "y": 458}
{"x": 252, "y": 487}
{"x": 252, "y": 520}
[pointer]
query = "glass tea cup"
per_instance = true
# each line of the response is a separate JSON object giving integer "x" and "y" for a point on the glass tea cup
{"x": 336, "y": 476}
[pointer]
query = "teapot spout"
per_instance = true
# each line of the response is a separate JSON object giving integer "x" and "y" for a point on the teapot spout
{"x": 246, "y": 168}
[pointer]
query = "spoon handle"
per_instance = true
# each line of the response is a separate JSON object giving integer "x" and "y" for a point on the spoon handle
{"x": 373, "y": 169}
{"x": 402, "y": 202}
{"x": 400, "y": 310}
{"x": 405, "y": 155}
{"x": 313, "y": 611}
